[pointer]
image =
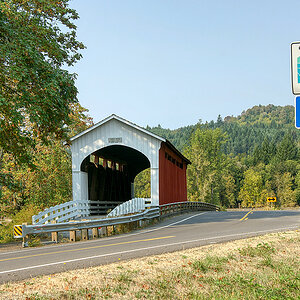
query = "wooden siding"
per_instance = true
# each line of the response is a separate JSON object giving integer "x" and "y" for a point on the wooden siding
{"x": 172, "y": 176}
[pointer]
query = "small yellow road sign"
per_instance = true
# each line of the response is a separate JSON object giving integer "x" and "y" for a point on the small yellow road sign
{"x": 17, "y": 231}
{"x": 271, "y": 199}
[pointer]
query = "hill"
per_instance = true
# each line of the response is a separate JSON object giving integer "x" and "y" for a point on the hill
{"x": 245, "y": 132}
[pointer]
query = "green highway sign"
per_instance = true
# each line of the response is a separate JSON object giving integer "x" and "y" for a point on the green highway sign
{"x": 295, "y": 67}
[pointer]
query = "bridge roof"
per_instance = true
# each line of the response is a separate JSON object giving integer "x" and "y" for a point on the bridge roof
{"x": 115, "y": 117}
{"x": 122, "y": 120}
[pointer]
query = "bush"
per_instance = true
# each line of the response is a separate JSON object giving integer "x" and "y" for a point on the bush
{"x": 23, "y": 216}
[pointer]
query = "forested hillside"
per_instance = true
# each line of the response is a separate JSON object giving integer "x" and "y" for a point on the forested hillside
{"x": 245, "y": 132}
{"x": 241, "y": 160}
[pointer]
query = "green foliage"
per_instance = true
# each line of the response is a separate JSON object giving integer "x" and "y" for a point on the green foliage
{"x": 209, "y": 263}
{"x": 257, "y": 157}
{"x": 207, "y": 160}
{"x": 37, "y": 39}
{"x": 251, "y": 190}
{"x": 258, "y": 125}
{"x": 142, "y": 185}
{"x": 22, "y": 216}
{"x": 261, "y": 249}
{"x": 50, "y": 181}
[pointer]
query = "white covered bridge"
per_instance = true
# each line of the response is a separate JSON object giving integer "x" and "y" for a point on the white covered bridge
{"x": 105, "y": 161}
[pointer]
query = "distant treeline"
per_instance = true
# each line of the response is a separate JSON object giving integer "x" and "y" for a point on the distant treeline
{"x": 240, "y": 160}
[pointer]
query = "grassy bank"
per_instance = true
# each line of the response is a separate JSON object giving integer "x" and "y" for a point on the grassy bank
{"x": 265, "y": 267}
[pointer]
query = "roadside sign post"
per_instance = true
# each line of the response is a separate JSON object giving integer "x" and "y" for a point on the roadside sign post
{"x": 271, "y": 200}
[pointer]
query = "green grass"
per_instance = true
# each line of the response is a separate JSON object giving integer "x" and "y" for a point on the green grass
{"x": 262, "y": 249}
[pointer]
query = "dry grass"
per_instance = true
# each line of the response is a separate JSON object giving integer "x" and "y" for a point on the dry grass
{"x": 265, "y": 267}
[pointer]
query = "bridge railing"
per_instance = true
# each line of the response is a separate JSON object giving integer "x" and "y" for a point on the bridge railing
{"x": 172, "y": 208}
{"x": 80, "y": 225}
{"x": 62, "y": 212}
{"x": 67, "y": 210}
{"x": 73, "y": 210}
{"x": 129, "y": 207}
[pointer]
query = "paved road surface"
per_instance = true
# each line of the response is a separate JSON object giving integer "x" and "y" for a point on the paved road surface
{"x": 177, "y": 233}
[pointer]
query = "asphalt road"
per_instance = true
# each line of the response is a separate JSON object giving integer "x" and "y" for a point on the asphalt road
{"x": 177, "y": 233}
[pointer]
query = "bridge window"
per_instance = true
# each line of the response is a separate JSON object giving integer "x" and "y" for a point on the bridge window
{"x": 92, "y": 158}
{"x": 173, "y": 160}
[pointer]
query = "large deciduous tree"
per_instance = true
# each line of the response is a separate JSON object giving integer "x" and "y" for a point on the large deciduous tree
{"x": 50, "y": 181}
{"x": 208, "y": 161}
{"x": 37, "y": 40}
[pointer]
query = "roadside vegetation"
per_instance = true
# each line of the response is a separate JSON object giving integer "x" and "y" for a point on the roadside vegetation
{"x": 240, "y": 161}
{"x": 265, "y": 267}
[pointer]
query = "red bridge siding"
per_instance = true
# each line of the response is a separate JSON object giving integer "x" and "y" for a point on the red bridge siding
{"x": 172, "y": 176}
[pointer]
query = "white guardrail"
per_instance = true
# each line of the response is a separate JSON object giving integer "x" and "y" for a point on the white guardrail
{"x": 62, "y": 213}
{"x": 130, "y": 207}
{"x": 66, "y": 210}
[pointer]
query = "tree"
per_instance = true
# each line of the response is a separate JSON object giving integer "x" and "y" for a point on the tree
{"x": 204, "y": 174}
{"x": 287, "y": 149}
{"x": 37, "y": 39}
{"x": 250, "y": 193}
{"x": 285, "y": 193}
{"x": 49, "y": 182}
{"x": 228, "y": 193}
{"x": 142, "y": 184}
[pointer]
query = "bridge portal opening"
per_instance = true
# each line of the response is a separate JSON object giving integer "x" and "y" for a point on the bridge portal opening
{"x": 111, "y": 173}
{"x": 142, "y": 184}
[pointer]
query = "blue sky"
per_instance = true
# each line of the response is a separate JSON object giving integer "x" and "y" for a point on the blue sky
{"x": 175, "y": 62}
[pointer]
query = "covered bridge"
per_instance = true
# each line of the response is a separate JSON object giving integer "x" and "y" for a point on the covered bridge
{"x": 107, "y": 157}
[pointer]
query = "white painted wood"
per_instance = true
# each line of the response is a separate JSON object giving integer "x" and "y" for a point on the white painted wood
{"x": 62, "y": 212}
{"x": 129, "y": 207}
{"x": 113, "y": 116}
{"x": 114, "y": 131}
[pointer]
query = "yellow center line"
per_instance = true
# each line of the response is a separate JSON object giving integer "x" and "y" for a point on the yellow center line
{"x": 94, "y": 247}
{"x": 245, "y": 216}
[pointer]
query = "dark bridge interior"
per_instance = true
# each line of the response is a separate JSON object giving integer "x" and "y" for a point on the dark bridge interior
{"x": 111, "y": 170}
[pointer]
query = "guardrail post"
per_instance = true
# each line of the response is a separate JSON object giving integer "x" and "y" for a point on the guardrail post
{"x": 72, "y": 236}
{"x": 84, "y": 234}
{"x": 95, "y": 233}
{"x": 103, "y": 231}
{"x": 25, "y": 243}
{"x": 141, "y": 223}
{"x": 54, "y": 235}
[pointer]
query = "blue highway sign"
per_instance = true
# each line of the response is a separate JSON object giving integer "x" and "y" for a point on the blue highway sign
{"x": 297, "y": 111}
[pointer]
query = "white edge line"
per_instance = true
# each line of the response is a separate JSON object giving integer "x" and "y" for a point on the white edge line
{"x": 147, "y": 248}
{"x": 106, "y": 238}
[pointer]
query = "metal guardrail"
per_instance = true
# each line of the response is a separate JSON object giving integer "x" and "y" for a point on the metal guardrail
{"x": 151, "y": 213}
{"x": 175, "y": 207}
{"x": 71, "y": 226}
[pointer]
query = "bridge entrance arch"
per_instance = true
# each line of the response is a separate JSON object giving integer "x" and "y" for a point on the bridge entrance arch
{"x": 111, "y": 172}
